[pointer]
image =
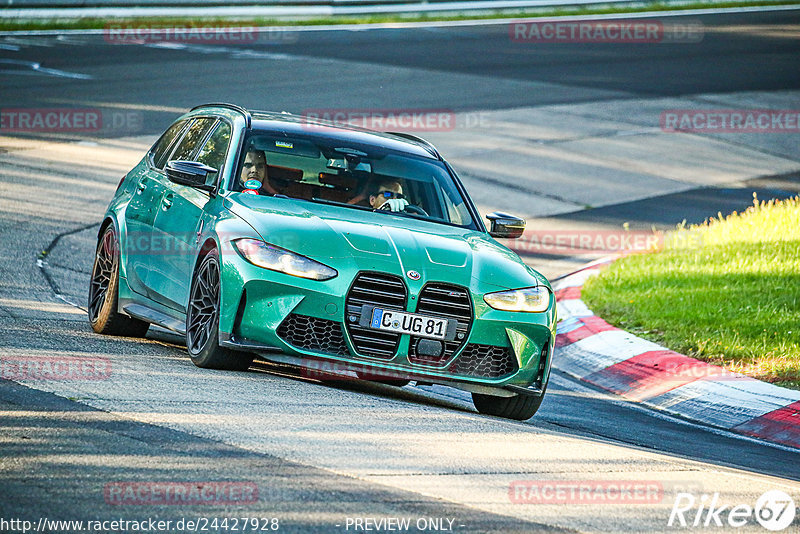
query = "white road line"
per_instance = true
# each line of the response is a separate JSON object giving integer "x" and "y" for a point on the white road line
{"x": 214, "y": 49}
{"x": 36, "y": 68}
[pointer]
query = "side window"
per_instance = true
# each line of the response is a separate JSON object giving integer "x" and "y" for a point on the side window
{"x": 213, "y": 152}
{"x": 193, "y": 137}
{"x": 159, "y": 152}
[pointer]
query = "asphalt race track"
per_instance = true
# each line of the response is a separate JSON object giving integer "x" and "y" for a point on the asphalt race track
{"x": 322, "y": 455}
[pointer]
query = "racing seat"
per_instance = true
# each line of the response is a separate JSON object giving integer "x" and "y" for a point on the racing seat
{"x": 285, "y": 180}
{"x": 338, "y": 188}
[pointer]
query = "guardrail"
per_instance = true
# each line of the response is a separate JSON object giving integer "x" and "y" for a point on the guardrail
{"x": 274, "y": 8}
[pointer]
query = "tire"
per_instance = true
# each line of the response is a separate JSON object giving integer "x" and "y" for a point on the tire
{"x": 104, "y": 292}
{"x": 519, "y": 407}
{"x": 202, "y": 320}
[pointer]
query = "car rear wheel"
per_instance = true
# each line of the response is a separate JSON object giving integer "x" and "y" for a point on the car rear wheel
{"x": 202, "y": 321}
{"x": 519, "y": 407}
{"x": 104, "y": 292}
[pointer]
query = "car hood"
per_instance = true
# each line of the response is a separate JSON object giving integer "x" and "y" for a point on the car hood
{"x": 363, "y": 240}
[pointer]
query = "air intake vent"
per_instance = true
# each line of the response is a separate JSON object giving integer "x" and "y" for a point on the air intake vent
{"x": 447, "y": 301}
{"x": 486, "y": 361}
{"x": 374, "y": 289}
{"x": 310, "y": 333}
{"x": 542, "y": 364}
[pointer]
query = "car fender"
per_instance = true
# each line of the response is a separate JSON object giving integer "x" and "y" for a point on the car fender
{"x": 220, "y": 230}
{"x": 124, "y": 291}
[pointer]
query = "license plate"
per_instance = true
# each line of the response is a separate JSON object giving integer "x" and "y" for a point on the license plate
{"x": 408, "y": 323}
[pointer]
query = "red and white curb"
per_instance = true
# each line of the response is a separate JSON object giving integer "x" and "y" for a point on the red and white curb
{"x": 595, "y": 352}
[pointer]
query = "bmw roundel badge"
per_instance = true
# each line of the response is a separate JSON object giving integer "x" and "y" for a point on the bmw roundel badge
{"x": 414, "y": 275}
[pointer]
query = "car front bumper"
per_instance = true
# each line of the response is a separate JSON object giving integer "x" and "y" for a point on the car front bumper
{"x": 266, "y": 312}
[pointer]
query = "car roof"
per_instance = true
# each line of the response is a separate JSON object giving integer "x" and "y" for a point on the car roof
{"x": 290, "y": 124}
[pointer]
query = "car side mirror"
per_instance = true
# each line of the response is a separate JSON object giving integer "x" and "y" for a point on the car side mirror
{"x": 505, "y": 225}
{"x": 191, "y": 173}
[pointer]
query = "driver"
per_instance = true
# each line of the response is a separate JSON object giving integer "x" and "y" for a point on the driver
{"x": 255, "y": 168}
{"x": 388, "y": 195}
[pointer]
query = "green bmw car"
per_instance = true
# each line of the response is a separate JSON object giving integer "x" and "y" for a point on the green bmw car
{"x": 298, "y": 241}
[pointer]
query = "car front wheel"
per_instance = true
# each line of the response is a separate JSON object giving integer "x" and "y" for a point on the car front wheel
{"x": 202, "y": 320}
{"x": 518, "y": 407}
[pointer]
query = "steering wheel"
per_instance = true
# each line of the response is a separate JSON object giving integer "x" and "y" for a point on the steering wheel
{"x": 416, "y": 210}
{"x": 410, "y": 208}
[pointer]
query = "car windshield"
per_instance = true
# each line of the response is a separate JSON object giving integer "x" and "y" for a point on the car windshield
{"x": 321, "y": 170}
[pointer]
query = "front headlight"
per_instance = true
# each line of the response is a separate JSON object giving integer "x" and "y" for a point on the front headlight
{"x": 529, "y": 299}
{"x": 281, "y": 260}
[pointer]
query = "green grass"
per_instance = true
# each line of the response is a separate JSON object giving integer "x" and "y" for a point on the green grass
{"x": 11, "y": 24}
{"x": 732, "y": 298}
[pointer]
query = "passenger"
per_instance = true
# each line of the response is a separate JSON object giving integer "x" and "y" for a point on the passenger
{"x": 362, "y": 198}
{"x": 255, "y": 168}
{"x": 388, "y": 193}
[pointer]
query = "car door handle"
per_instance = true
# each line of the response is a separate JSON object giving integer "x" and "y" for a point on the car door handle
{"x": 167, "y": 202}
{"x": 141, "y": 186}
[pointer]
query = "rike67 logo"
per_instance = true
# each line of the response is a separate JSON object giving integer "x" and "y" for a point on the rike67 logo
{"x": 774, "y": 510}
